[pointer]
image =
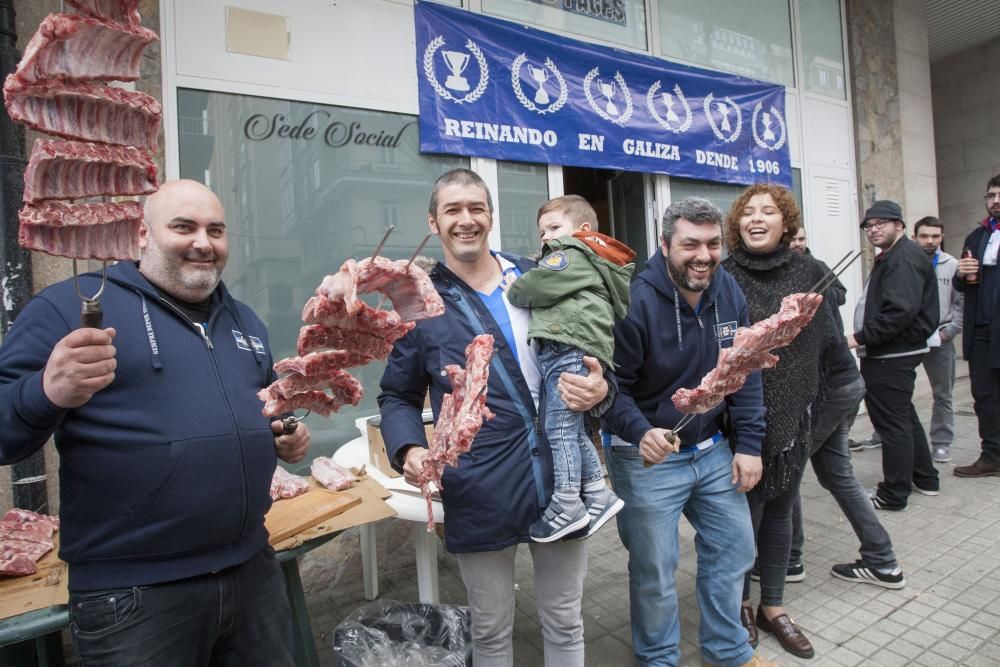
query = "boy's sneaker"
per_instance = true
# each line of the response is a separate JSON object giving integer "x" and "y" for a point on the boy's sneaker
{"x": 601, "y": 506}
{"x": 864, "y": 574}
{"x": 796, "y": 572}
{"x": 558, "y": 522}
{"x": 941, "y": 454}
{"x": 880, "y": 504}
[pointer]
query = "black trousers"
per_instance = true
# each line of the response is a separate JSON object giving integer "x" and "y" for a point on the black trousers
{"x": 906, "y": 456}
{"x": 985, "y": 382}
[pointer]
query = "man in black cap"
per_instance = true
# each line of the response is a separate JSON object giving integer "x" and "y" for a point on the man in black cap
{"x": 893, "y": 320}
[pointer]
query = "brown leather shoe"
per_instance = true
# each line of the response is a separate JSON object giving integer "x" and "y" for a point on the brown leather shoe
{"x": 791, "y": 638}
{"x": 746, "y": 620}
{"x": 978, "y": 469}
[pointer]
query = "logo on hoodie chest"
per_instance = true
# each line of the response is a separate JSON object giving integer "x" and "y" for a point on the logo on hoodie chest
{"x": 725, "y": 331}
{"x": 241, "y": 343}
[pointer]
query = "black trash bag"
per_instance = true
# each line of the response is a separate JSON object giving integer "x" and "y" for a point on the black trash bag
{"x": 387, "y": 633}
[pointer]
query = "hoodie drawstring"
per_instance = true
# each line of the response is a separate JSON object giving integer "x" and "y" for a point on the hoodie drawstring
{"x": 154, "y": 348}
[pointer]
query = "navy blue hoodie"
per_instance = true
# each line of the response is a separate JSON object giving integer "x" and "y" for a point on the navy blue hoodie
{"x": 165, "y": 473}
{"x": 663, "y": 345}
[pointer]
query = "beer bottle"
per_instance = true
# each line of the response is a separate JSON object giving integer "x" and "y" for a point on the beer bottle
{"x": 972, "y": 278}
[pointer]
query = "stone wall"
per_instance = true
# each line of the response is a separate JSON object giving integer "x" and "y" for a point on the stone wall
{"x": 46, "y": 269}
{"x": 967, "y": 134}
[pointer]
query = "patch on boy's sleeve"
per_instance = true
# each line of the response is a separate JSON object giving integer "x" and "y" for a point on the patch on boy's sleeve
{"x": 556, "y": 261}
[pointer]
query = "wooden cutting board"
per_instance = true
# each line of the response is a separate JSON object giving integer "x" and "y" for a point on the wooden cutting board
{"x": 291, "y": 516}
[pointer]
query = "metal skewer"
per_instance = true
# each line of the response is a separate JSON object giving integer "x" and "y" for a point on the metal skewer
{"x": 91, "y": 314}
{"x": 289, "y": 424}
{"x": 836, "y": 275}
{"x": 381, "y": 243}
{"x": 836, "y": 270}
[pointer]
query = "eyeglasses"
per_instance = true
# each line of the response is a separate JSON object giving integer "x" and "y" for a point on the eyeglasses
{"x": 872, "y": 224}
{"x": 990, "y": 196}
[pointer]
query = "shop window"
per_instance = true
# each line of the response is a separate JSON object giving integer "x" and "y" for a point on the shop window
{"x": 822, "y": 47}
{"x": 523, "y": 188}
{"x": 749, "y": 38}
{"x": 616, "y": 21}
{"x": 285, "y": 233}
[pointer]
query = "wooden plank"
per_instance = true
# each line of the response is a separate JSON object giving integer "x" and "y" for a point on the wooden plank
{"x": 293, "y": 515}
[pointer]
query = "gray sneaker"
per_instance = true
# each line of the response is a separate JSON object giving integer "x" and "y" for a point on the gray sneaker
{"x": 601, "y": 506}
{"x": 941, "y": 454}
{"x": 558, "y": 522}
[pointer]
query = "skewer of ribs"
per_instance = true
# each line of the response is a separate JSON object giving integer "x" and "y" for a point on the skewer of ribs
{"x": 460, "y": 417}
{"x": 342, "y": 332}
{"x": 751, "y": 351}
{"x": 107, "y": 134}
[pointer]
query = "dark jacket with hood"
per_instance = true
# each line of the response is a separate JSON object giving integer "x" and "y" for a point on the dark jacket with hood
{"x": 164, "y": 474}
{"x": 901, "y": 302}
{"x": 976, "y": 242}
{"x": 663, "y": 345}
{"x": 501, "y": 485}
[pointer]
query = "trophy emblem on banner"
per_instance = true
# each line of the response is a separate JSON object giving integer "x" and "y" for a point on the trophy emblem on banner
{"x": 672, "y": 123}
{"x": 609, "y": 89}
{"x": 766, "y": 121}
{"x": 724, "y": 129}
{"x": 542, "y": 102}
{"x": 457, "y": 63}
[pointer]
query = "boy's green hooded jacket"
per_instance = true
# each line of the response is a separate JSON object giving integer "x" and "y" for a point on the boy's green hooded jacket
{"x": 578, "y": 291}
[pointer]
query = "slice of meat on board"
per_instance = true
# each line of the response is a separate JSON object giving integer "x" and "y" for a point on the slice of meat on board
{"x": 331, "y": 474}
{"x": 286, "y": 485}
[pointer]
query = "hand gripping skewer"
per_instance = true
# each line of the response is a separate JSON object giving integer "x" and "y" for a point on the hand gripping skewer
{"x": 289, "y": 424}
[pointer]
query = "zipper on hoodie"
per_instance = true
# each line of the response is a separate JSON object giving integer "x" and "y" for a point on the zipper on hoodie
{"x": 203, "y": 332}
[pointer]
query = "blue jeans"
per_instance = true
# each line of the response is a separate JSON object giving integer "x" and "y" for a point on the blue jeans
{"x": 238, "y": 616}
{"x": 574, "y": 458}
{"x": 834, "y": 414}
{"x": 697, "y": 483}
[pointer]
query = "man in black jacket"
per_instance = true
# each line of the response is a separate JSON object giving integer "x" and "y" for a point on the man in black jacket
{"x": 893, "y": 320}
{"x": 978, "y": 279}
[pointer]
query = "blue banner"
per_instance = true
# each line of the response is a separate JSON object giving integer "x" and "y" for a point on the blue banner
{"x": 492, "y": 88}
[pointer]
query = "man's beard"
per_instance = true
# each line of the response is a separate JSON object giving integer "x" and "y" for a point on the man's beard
{"x": 168, "y": 272}
{"x": 930, "y": 251}
{"x": 681, "y": 278}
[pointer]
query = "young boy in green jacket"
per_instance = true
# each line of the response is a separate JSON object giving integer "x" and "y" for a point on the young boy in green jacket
{"x": 578, "y": 291}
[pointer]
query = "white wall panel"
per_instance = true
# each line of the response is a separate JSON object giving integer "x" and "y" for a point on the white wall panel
{"x": 826, "y": 131}
{"x": 352, "y": 52}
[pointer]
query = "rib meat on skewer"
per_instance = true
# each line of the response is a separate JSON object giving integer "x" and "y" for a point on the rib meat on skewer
{"x": 460, "y": 417}
{"x": 86, "y": 231}
{"x": 118, "y": 11}
{"x": 60, "y": 169}
{"x": 750, "y": 352}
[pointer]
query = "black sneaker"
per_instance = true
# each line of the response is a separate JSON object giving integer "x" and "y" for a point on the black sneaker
{"x": 880, "y": 504}
{"x": 796, "y": 572}
{"x": 601, "y": 506}
{"x": 854, "y": 445}
{"x": 864, "y": 574}
{"x": 557, "y": 522}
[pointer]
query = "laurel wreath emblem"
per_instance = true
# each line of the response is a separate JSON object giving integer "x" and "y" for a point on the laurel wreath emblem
{"x": 707, "y": 106}
{"x": 484, "y": 77}
{"x": 781, "y": 123}
{"x": 620, "y": 80}
{"x": 650, "y": 104}
{"x": 515, "y": 82}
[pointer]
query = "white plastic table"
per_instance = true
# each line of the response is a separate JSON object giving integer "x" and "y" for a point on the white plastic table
{"x": 408, "y": 507}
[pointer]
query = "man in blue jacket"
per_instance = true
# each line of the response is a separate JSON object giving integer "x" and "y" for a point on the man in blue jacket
{"x": 501, "y": 485}
{"x": 165, "y": 459}
{"x": 684, "y": 309}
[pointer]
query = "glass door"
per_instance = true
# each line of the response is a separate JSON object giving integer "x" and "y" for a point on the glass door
{"x": 630, "y": 214}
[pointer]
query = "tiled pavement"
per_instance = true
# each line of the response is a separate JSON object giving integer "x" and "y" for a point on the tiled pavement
{"x": 948, "y": 545}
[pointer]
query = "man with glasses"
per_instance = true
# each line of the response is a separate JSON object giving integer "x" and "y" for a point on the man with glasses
{"x": 977, "y": 278}
{"x": 893, "y": 320}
